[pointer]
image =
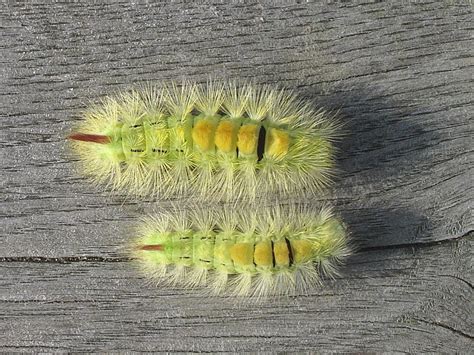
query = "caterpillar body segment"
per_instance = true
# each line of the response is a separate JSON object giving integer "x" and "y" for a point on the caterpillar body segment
{"x": 220, "y": 141}
{"x": 280, "y": 251}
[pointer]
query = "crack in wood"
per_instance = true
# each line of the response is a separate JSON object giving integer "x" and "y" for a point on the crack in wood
{"x": 73, "y": 259}
{"x": 439, "y": 324}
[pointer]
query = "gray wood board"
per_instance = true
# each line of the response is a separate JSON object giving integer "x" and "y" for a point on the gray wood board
{"x": 401, "y": 77}
{"x": 409, "y": 299}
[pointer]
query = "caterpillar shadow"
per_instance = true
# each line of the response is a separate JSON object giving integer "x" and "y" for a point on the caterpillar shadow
{"x": 383, "y": 135}
{"x": 382, "y": 151}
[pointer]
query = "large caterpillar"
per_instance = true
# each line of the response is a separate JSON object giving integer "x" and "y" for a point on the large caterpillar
{"x": 220, "y": 141}
{"x": 234, "y": 252}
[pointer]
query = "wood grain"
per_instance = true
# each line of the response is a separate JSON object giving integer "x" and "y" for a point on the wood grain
{"x": 409, "y": 299}
{"x": 401, "y": 77}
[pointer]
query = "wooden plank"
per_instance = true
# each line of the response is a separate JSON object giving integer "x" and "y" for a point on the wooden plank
{"x": 401, "y": 77}
{"x": 409, "y": 299}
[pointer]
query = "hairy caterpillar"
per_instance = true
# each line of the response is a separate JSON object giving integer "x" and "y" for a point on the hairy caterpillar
{"x": 234, "y": 252}
{"x": 219, "y": 141}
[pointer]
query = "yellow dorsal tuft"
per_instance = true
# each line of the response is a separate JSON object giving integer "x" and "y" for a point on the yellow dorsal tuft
{"x": 225, "y": 136}
{"x": 263, "y": 254}
{"x": 203, "y": 132}
{"x": 302, "y": 250}
{"x": 278, "y": 143}
{"x": 282, "y": 254}
{"x": 247, "y": 139}
{"x": 242, "y": 254}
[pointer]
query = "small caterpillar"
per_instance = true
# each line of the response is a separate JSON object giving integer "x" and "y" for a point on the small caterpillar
{"x": 219, "y": 141}
{"x": 233, "y": 252}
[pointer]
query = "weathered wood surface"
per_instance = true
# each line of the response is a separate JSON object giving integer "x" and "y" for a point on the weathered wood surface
{"x": 401, "y": 75}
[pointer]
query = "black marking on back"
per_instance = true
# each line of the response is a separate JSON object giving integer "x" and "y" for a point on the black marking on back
{"x": 290, "y": 252}
{"x": 261, "y": 143}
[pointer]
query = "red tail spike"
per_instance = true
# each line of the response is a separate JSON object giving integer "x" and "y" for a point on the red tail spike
{"x": 95, "y": 138}
{"x": 156, "y": 247}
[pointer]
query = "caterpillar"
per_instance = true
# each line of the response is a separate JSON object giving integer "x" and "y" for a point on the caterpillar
{"x": 216, "y": 141}
{"x": 279, "y": 251}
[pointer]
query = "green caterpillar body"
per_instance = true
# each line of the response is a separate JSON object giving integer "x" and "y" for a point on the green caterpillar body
{"x": 217, "y": 141}
{"x": 282, "y": 250}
